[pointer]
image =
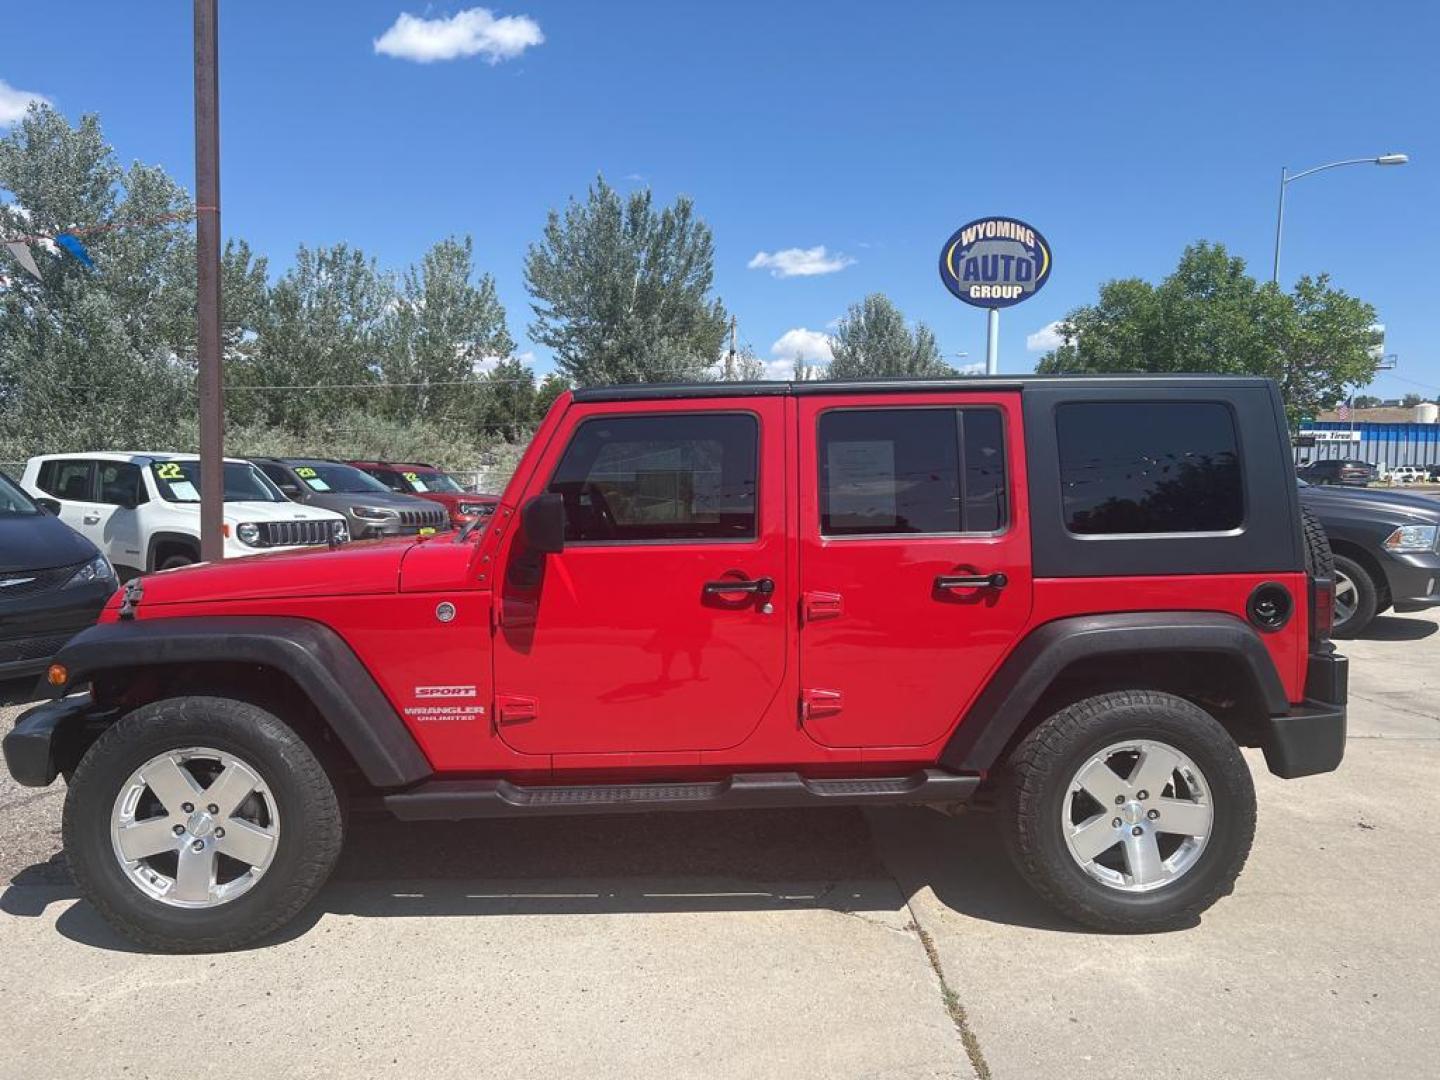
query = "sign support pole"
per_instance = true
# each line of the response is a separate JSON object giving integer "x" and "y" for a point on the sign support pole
{"x": 992, "y": 341}
{"x": 207, "y": 305}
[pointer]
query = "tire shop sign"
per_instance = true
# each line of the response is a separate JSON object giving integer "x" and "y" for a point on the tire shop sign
{"x": 995, "y": 262}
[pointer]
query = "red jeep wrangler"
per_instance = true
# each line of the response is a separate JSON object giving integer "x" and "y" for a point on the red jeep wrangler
{"x": 1084, "y": 594}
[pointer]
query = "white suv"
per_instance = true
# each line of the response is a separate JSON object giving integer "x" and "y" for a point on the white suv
{"x": 1408, "y": 474}
{"x": 143, "y": 509}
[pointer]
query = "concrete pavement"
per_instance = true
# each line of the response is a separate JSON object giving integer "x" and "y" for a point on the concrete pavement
{"x": 779, "y": 944}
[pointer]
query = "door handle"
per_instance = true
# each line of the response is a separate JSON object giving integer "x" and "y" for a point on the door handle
{"x": 972, "y": 581}
{"x": 90, "y": 519}
{"x": 764, "y": 586}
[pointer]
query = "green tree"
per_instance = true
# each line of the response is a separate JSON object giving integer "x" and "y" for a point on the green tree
{"x": 1211, "y": 316}
{"x": 872, "y": 341}
{"x": 508, "y": 408}
{"x": 621, "y": 290}
{"x": 1411, "y": 400}
{"x": 551, "y": 387}
{"x": 102, "y": 357}
{"x": 1365, "y": 401}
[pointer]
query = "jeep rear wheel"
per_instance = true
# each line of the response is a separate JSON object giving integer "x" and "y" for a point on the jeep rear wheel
{"x": 198, "y": 824}
{"x": 1129, "y": 811}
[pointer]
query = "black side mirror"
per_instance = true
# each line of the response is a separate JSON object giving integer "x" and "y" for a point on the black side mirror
{"x": 50, "y": 506}
{"x": 543, "y": 522}
{"x": 126, "y": 501}
{"x": 290, "y": 491}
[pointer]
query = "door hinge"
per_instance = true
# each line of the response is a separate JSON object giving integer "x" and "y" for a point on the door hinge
{"x": 515, "y": 709}
{"x": 823, "y": 605}
{"x": 817, "y": 703}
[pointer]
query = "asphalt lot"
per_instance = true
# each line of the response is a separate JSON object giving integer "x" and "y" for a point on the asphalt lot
{"x": 779, "y": 943}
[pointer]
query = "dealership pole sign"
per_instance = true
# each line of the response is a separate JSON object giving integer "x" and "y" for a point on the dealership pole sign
{"x": 993, "y": 263}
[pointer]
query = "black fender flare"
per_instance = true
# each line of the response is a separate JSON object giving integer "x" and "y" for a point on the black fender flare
{"x": 1044, "y": 654}
{"x": 318, "y": 659}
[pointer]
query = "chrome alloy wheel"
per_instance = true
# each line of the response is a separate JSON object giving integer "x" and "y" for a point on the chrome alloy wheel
{"x": 194, "y": 828}
{"x": 1347, "y": 597}
{"x": 1137, "y": 815}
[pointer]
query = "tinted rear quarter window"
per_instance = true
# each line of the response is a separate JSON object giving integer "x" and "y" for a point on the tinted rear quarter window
{"x": 1149, "y": 467}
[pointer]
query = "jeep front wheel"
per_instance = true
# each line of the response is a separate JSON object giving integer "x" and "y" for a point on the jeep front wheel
{"x": 198, "y": 824}
{"x": 1130, "y": 811}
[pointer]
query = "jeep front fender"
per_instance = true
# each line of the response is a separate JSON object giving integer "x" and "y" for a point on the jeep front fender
{"x": 319, "y": 661}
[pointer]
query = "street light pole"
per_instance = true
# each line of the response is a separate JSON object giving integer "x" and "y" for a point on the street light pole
{"x": 207, "y": 297}
{"x": 1286, "y": 179}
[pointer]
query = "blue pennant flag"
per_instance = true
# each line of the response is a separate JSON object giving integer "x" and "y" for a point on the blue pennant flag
{"x": 76, "y": 248}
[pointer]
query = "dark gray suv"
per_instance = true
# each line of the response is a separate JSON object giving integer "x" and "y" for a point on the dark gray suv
{"x": 371, "y": 508}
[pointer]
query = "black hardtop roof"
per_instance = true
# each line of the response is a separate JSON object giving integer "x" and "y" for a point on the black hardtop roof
{"x": 665, "y": 391}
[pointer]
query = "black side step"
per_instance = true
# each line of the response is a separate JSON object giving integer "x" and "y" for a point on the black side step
{"x": 453, "y": 800}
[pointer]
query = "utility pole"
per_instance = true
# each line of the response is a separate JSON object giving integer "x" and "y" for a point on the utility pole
{"x": 207, "y": 306}
{"x": 730, "y": 357}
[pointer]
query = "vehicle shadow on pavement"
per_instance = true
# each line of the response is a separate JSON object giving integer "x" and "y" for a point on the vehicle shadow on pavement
{"x": 1390, "y": 628}
{"x": 771, "y": 860}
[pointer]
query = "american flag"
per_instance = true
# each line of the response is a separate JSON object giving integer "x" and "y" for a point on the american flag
{"x": 1343, "y": 412}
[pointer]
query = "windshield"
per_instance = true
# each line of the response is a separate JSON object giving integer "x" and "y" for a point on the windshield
{"x": 429, "y": 481}
{"x": 345, "y": 479}
{"x": 13, "y": 500}
{"x": 179, "y": 481}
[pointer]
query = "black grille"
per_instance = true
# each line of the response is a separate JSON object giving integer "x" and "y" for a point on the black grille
{"x": 30, "y": 582}
{"x": 35, "y": 648}
{"x": 292, "y": 533}
{"x": 425, "y": 519}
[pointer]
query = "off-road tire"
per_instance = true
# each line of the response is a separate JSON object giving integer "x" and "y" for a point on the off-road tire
{"x": 309, "y": 841}
{"x": 1367, "y": 599}
{"x": 1319, "y": 560}
{"x": 174, "y": 562}
{"x": 1034, "y": 786}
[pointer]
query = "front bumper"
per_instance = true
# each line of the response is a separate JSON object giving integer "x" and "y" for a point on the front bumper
{"x": 1310, "y": 738}
{"x": 1413, "y": 577}
{"x": 50, "y": 738}
{"x": 34, "y": 629}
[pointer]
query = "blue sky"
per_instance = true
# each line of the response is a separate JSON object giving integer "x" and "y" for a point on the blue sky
{"x": 1121, "y": 131}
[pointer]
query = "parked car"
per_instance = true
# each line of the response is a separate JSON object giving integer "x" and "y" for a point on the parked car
{"x": 1348, "y": 471}
{"x": 53, "y": 583}
{"x": 369, "y": 506}
{"x": 807, "y": 594}
{"x": 428, "y": 482}
{"x": 1387, "y": 549}
{"x": 1408, "y": 474}
{"x": 142, "y": 509}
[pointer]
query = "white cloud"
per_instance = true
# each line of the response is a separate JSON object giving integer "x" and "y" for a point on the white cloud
{"x": 811, "y": 346}
{"x": 800, "y": 262}
{"x": 1045, "y": 339}
{"x": 13, "y": 103}
{"x": 472, "y": 32}
{"x": 484, "y": 365}
{"x": 977, "y": 368}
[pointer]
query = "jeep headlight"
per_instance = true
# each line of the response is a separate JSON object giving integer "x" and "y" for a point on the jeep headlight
{"x": 247, "y": 532}
{"x": 97, "y": 569}
{"x": 339, "y": 532}
{"x": 1412, "y": 538}
{"x": 372, "y": 513}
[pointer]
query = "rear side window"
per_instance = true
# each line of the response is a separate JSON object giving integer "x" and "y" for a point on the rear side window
{"x": 892, "y": 471}
{"x": 1149, "y": 467}
{"x": 67, "y": 479}
{"x": 681, "y": 476}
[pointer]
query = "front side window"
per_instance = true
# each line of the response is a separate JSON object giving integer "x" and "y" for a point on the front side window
{"x": 121, "y": 484}
{"x": 1149, "y": 467}
{"x": 903, "y": 471}
{"x": 689, "y": 476}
